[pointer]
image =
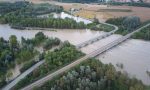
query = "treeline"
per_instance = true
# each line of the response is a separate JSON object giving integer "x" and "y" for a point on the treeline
{"x": 48, "y": 23}
{"x": 143, "y": 34}
{"x": 93, "y": 75}
{"x": 78, "y": 1}
{"x": 25, "y": 8}
{"x": 54, "y": 60}
{"x": 6, "y": 7}
{"x": 138, "y": 4}
{"x": 125, "y": 24}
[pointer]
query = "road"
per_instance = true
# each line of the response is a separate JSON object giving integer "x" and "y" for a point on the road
{"x": 77, "y": 62}
{"x": 24, "y": 74}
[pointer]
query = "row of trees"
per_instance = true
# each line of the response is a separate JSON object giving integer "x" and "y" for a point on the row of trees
{"x": 93, "y": 75}
{"x": 54, "y": 60}
{"x": 48, "y": 23}
{"x": 78, "y": 1}
{"x": 125, "y": 24}
{"x": 112, "y": 2}
{"x": 138, "y": 4}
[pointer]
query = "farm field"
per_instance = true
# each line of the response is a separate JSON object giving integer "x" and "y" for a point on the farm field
{"x": 103, "y": 12}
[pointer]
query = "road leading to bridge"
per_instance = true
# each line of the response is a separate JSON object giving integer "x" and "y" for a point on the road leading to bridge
{"x": 77, "y": 62}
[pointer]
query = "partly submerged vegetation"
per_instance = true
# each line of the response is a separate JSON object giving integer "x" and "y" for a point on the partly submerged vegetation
{"x": 13, "y": 52}
{"x": 54, "y": 60}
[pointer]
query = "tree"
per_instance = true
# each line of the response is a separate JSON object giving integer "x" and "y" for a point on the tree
{"x": 131, "y": 22}
{"x": 13, "y": 41}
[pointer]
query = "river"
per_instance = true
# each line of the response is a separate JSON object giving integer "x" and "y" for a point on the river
{"x": 135, "y": 57}
{"x": 73, "y": 36}
{"x": 133, "y": 54}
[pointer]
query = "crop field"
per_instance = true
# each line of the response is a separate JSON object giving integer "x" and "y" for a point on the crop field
{"x": 103, "y": 12}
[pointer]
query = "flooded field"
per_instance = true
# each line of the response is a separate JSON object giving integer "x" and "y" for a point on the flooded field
{"x": 135, "y": 57}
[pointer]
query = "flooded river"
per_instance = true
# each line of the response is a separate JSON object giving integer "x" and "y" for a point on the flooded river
{"x": 73, "y": 36}
{"x": 135, "y": 57}
{"x": 133, "y": 54}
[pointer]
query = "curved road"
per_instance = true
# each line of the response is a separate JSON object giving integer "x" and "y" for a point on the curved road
{"x": 92, "y": 54}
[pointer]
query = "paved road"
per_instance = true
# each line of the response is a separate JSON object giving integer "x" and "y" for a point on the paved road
{"x": 92, "y": 54}
{"x": 24, "y": 74}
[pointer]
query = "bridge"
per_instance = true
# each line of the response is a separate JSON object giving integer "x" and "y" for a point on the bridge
{"x": 83, "y": 44}
{"x": 77, "y": 62}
